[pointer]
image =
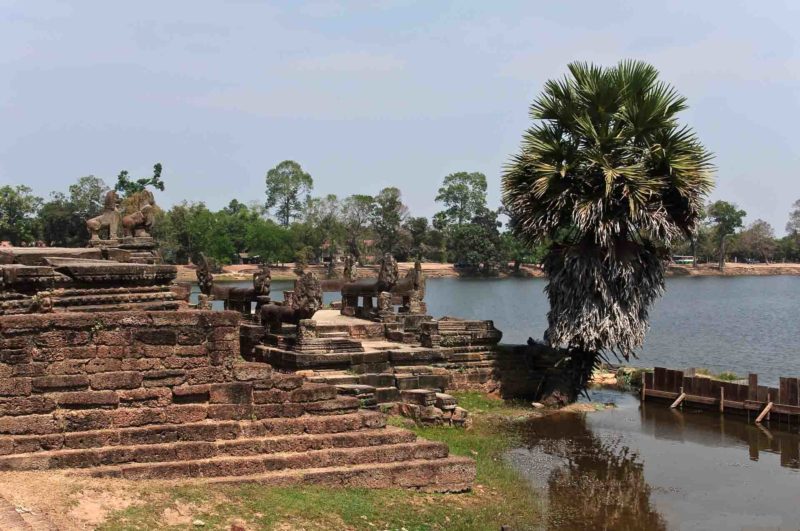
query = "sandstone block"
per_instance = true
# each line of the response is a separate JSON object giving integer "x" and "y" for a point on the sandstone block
{"x": 84, "y": 399}
{"x": 14, "y": 356}
{"x": 28, "y": 405}
{"x": 46, "y": 384}
{"x": 15, "y": 387}
{"x": 28, "y": 424}
{"x": 190, "y": 336}
{"x": 206, "y": 375}
{"x": 103, "y": 365}
{"x": 420, "y": 397}
{"x": 271, "y": 396}
{"x": 164, "y": 378}
{"x": 116, "y": 380}
{"x": 155, "y": 336}
{"x": 84, "y": 420}
{"x": 112, "y": 337}
{"x": 231, "y": 393}
{"x": 66, "y": 367}
{"x": 311, "y": 392}
{"x": 287, "y": 382}
{"x": 190, "y": 394}
{"x": 245, "y": 372}
{"x": 145, "y": 397}
{"x": 109, "y": 351}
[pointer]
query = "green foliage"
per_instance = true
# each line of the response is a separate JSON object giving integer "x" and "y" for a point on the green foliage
{"x": 478, "y": 245}
{"x": 793, "y": 225}
{"x": 386, "y": 218}
{"x": 62, "y": 219}
{"x": 189, "y": 229}
{"x": 18, "y": 209}
{"x": 128, "y": 187}
{"x": 609, "y": 177}
{"x": 288, "y": 187}
{"x": 463, "y": 195}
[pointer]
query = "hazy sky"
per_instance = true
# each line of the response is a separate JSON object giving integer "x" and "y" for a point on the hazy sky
{"x": 371, "y": 94}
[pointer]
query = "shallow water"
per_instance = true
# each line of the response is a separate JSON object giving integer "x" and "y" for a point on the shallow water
{"x": 740, "y": 324}
{"x": 654, "y": 468}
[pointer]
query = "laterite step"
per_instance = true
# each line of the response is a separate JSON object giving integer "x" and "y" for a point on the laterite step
{"x": 450, "y": 474}
{"x": 179, "y": 451}
{"x": 251, "y": 465}
{"x": 206, "y": 430}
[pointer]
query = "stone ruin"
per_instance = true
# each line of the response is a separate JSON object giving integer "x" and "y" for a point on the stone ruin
{"x": 123, "y": 231}
{"x": 107, "y": 371}
{"x": 380, "y": 346}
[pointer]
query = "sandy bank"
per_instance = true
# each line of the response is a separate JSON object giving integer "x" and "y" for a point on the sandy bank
{"x": 436, "y": 270}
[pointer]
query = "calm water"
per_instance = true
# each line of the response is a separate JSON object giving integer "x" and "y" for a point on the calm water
{"x": 653, "y": 468}
{"x": 736, "y": 323}
{"x": 740, "y": 324}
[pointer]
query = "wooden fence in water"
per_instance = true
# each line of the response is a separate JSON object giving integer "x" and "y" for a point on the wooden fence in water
{"x": 761, "y": 402}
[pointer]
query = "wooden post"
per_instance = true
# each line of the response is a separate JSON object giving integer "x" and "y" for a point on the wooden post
{"x": 678, "y": 400}
{"x": 764, "y": 413}
{"x": 721, "y": 399}
{"x": 644, "y": 386}
{"x": 752, "y": 387}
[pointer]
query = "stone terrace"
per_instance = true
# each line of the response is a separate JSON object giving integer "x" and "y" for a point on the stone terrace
{"x": 142, "y": 395}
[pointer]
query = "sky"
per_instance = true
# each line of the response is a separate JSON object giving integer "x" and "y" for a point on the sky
{"x": 372, "y": 94}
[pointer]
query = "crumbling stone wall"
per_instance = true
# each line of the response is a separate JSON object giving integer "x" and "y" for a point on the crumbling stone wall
{"x": 65, "y": 372}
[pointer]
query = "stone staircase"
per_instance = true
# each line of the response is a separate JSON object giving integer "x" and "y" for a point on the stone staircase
{"x": 165, "y": 396}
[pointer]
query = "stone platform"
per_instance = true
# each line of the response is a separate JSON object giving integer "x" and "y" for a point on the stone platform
{"x": 144, "y": 395}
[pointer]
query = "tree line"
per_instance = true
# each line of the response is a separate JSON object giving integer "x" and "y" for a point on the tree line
{"x": 292, "y": 225}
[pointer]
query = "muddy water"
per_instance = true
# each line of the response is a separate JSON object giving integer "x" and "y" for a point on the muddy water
{"x": 653, "y": 468}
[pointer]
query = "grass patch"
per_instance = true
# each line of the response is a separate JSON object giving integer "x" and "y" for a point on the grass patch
{"x": 726, "y": 376}
{"x": 500, "y": 496}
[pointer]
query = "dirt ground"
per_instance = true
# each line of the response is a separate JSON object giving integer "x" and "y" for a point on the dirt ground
{"x": 436, "y": 270}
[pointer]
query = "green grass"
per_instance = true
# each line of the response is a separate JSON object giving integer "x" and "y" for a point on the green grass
{"x": 500, "y": 496}
{"x": 726, "y": 376}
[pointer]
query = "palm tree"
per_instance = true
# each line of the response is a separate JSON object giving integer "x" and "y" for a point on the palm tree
{"x": 608, "y": 175}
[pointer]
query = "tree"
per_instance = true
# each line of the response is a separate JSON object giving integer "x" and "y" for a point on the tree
{"x": 288, "y": 187}
{"x": 418, "y": 231}
{"x": 609, "y": 177}
{"x": 18, "y": 208}
{"x": 463, "y": 195}
{"x": 726, "y": 218}
{"x": 758, "y": 241}
{"x": 59, "y": 224}
{"x": 793, "y": 225}
{"x": 129, "y": 187}
{"x": 356, "y": 214}
{"x": 387, "y": 216}
{"x": 477, "y": 245}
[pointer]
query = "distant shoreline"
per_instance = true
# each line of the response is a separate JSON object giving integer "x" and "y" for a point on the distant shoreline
{"x": 435, "y": 270}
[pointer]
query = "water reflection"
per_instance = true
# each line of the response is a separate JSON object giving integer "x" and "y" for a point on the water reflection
{"x": 594, "y": 483}
{"x": 654, "y": 468}
{"x": 714, "y": 430}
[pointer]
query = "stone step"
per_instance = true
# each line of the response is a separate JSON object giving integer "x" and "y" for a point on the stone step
{"x": 207, "y": 430}
{"x": 75, "y": 420}
{"x": 248, "y": 465}
{"x": 331, "y": 335}
{"x": 451, "y": 474}
{"x": 188, "y": 450}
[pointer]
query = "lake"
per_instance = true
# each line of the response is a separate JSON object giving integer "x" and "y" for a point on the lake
{"x": 654, "y": 468}
{"x": 739, "y": 324}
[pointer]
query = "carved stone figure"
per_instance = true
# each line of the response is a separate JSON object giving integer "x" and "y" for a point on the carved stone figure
{"x": 304, "y": 302}
{"x": 110, "y": 218}
{"x": 350, "y": 268}
{"x": 142, "y": 212}
{"x": 307, "y": 294}
{"x": 205, "y": 280}
{"x": 262, "y": 280}
{"x": 388, "y": 274}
